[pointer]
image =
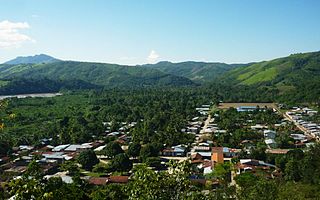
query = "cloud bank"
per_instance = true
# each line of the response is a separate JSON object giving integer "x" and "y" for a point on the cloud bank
{"x": 153, "y": 57}
{"x": 10, "y": 36}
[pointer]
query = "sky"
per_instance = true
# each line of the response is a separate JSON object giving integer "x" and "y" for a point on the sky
{"x": 147, "y": 31}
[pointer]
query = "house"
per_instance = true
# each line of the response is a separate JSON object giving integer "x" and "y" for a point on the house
{"x": 25, "y": 148}
{"x": 60, "y": 147}
{"x": 247, "y": 145}
{"x": 277, "y": 151}
{"x": 230, "y": 152}
{"x": 100, "y": 148}
{"x": 258, "y": 126}
{"x": 78, "y": 147}
{"x": 196, "y": 156}
{"x": 269, "y": 134}
{"x": 98, "y": 180}
{"x": 201, "y": 148}
{"x": 298, "y": 137}
{"x": 205, "y": 155}
{"x": 174, "y": 151}
{"x": 271, "y": 143}
{"x": 253, "y": 165}
{"x": 63, "y": 175}
{"x": 118, "y": 179}
{"x": 217, "y": 132}
{"x": 193, "y": 129}
{"x": 207, "y": 167}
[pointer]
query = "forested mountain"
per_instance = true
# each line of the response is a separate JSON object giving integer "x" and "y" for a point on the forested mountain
{"x": 89, "y": 74}
{"x": 41, "y": 58}
{"x": 294, "y": 78}
{"x": 196, "y": 71}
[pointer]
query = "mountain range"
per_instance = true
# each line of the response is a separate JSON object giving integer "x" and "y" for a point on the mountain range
{"x": 41, "y": 58}
{"x": 285, "y": 75}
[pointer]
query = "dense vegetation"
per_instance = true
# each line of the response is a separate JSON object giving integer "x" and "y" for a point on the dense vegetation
{"x": 77, "y": 116}
{"x": 110, "y": 75}
{"x": 196, "y": 71}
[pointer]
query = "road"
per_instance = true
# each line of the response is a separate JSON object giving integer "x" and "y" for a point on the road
{"x": 206, "y": 123}
{"x": 301, "y": 128}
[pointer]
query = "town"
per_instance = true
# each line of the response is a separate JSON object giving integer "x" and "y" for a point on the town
{"x": 246, "y": 136}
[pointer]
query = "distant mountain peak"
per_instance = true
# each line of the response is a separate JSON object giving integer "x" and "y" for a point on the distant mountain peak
{"x": 36, "y": 59}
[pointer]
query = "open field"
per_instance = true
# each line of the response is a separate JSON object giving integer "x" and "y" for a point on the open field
{"x": 235, "y": 105}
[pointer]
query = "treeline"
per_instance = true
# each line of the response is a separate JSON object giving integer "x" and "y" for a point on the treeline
{"x": 27, "y": 86}
{"x": 302, "y": 92}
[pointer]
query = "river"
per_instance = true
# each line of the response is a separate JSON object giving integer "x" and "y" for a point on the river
{"x": 19, "y": 96}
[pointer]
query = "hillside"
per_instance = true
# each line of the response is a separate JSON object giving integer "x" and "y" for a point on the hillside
{"x": 99, "y": 74}
{"x": 196, "y": 71}
{"x": 282, "y": 71}
{"x": 41, "y": 58}
{"x": 296, "y": 76}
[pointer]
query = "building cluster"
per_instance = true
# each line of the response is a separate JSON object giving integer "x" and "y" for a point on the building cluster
{"x": 50, "y": 157}
{"x": 203, "y": 153}
{"x": 205, "y": 156}
{"x": 301, "y": 116}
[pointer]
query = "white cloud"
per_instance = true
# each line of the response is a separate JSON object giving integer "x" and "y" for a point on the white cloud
{"x": 10, "y": 35}
{"x": 153, "y": 57}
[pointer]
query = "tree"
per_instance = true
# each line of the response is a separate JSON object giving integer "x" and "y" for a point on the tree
{"x": 149, "y": 150}
{"x": 292, "y": 171}
{"x": 262, "y": 190}
{"x": 171, "y": 184}
{"x": 100, "y": 168}
{"x": 34, "y": 170}
{"x": 310, "y": 165}
{"x": 70, "y": 167}
{"x": 246, "y": 180}
{"x": 121, "y": 163}
{"x": 134, "y": 149}
{"x": 26, "y": 188}
{"x": 223, "y": 172}
{"x": 109, "y": 192}
{"x": 88, "y": 159}
{"x": 112, "y": 149}
{"x": 154, "y": 162}
{"x": 258, "y": 153}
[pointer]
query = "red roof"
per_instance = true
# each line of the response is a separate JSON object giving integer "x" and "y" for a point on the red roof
{"x": 98, "y": 181}
{"x": 196, "y": 161}
{"x": 118, "y": 179}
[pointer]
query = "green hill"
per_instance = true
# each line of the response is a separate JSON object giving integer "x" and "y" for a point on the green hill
{"x": 98, "y": 74}
{"x": 196, "y": 71}
{"x": 296, "y": 76}
{"x": 286, "y": 71}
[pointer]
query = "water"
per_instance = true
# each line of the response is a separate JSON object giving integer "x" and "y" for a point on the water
{"x": 20, "y": 96}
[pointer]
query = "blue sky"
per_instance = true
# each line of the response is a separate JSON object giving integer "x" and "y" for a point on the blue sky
{"x": 142, "y": 31}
